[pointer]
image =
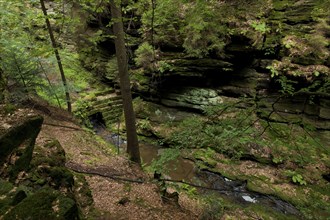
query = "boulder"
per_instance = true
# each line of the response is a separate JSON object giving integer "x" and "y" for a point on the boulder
{"x": 17, "y": 144}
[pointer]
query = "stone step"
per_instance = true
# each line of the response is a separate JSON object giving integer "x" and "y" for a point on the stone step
{"x": 102, "y": 105}
{"x": 112, "y": 112}
{"x": 104, "y": 109}
{"x": 109, "y": 99}
{"x": 109, "y": 103}
{"x": 111, "y": 122}
{"x": 111, "y": 118}
{"x": 96, "y": 110}
{"x": 105, "y": 92}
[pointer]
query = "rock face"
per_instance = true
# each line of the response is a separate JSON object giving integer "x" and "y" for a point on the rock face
{"x": 291, "y": 46}
{"x": 34, "y": 182}
{"x": 270, "y": 48}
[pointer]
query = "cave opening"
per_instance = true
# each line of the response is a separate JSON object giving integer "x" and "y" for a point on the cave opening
{"x": 97, "y": 121}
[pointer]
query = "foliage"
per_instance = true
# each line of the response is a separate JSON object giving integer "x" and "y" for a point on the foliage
{"x": 286, "y": 85}
{"x": 260, "y": 26}
{"x": 228, "y": 136}
{"x": 81, "y": 107}
{"x": 296, "y": 177}
{"x": 167, "y": 21}
{"x": 167, "y": 155}
{"x": 26, "y": 59}
{"x": 9, "y": 109}
{"x": 190, "y": 190}
{"x": 144, "y": 56}
{"x": 214, "y": 207}
{"x": 203, "y": 34}
{"x": 15, "y": 60}
{"x": 273, "y": 71}
{"x": 200, "y": 28}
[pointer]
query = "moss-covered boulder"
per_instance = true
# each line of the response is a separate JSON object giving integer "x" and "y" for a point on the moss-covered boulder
{"x": 44, "y": 204}
{"x": 48, "y": 167}
{"x": 34, "y": 182}
{"x": 17, "y": 144}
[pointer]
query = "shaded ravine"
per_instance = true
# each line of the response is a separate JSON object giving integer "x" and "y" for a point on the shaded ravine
{"x": 184, "y": 170}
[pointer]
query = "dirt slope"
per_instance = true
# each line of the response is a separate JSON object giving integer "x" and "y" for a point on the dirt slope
{"x": 114, "y": 199}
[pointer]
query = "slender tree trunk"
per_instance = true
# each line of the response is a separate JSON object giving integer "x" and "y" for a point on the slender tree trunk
{"x": 58, "y": 58}
{"x": 4, "y": 93}
{"x": 118, "y": 29}
{"x": 153, "y": 5}
{"x": 51, "y": 89}
{"x": 20, "y": 73}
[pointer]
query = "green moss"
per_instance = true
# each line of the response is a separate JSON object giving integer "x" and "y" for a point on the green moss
{"x": 264, "y": 212}
{"x": 257, "y": 184}
{"x": 44, "y": 204}
{"x": 5, "y": 187}
{"x": 82, "y": 192}
{"x": 58, "y": 153}
{"x": 9, "y": 109}
{"x": 6, "y": 196}
{"x": 206, "y": 157}
{"x": 280, "y": 5}
{"x": 61, "y": 176}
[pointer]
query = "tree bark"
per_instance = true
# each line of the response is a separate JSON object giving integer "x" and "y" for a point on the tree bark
{"x": 124, "y": 81}
{"x": 58, "y": 58}
{"x": 4, "y": 93}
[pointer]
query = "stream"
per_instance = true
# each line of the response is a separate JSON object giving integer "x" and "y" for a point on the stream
{"x": 184, "y": 169}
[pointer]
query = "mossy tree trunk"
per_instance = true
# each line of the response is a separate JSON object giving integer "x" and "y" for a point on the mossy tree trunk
{"x": 132, "y": 140}
{"x": 58, "y": 58}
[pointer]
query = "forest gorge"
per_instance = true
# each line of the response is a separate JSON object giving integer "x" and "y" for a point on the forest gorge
{"x": 164, "y": 109}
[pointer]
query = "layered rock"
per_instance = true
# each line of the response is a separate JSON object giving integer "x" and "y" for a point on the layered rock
{"x": 293, "y": 43}
{"x": 264, "y": 41}
{"x": 106, "y": 105}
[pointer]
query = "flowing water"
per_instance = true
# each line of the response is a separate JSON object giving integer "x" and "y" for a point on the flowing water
{"x": 183, "y": 169}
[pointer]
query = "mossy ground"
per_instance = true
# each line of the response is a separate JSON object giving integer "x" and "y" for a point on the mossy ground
{"x": 44, "y": 204}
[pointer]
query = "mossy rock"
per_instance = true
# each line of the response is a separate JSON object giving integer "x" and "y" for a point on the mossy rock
{"x": 11, "y": 195}
{"x": 44, "y": 204}
{"x": 6, "y": 196}
{"x": 18, "y": 144}
{"x": 61, "y": 176}
{"x": 52, "y": 153}
{"x": 83, "y": 194}
{"x": 205, "y": 156}
{"x": 48, "y": 166}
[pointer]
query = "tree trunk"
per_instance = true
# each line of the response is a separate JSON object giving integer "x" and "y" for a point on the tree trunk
{"x": 4, "y": 93}
{"x": 58, "y": 58}
{"x": 118, "y": 29}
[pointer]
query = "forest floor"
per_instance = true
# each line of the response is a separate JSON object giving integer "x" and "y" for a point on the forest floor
{"x": 121, "y": 189}
{"x": 113, "y": 199}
